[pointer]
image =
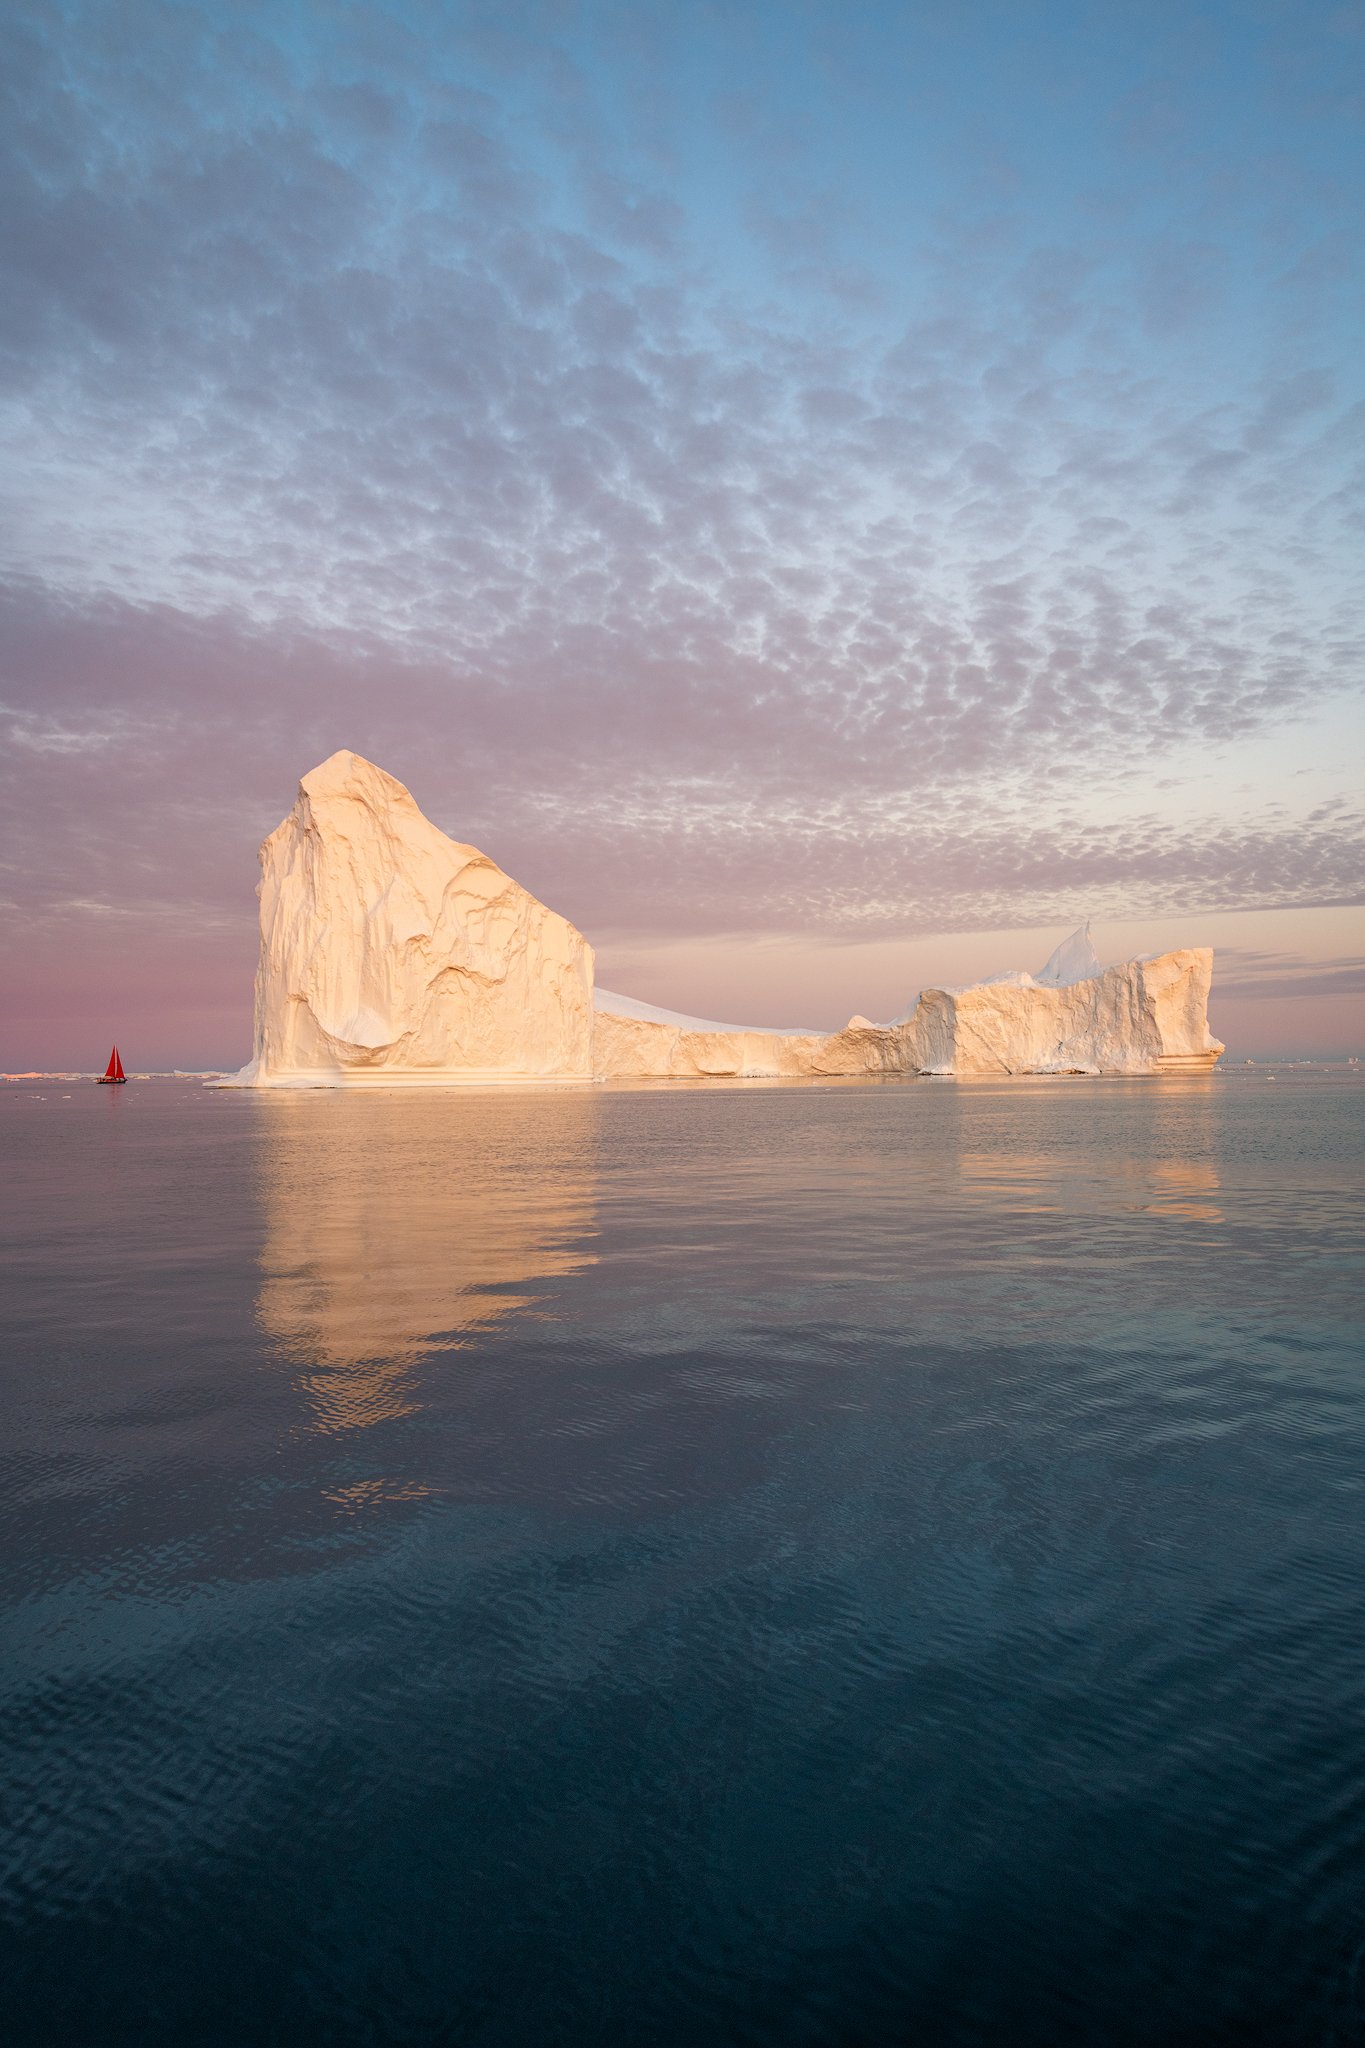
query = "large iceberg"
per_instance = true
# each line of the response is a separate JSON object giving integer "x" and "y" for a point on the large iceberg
{"x": 392, "y": 956}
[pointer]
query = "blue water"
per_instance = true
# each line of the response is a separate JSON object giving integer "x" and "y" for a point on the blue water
{"x": 850, "y": 1564}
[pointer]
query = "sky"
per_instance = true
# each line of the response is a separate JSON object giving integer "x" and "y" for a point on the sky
{"x": 827, "y": 495}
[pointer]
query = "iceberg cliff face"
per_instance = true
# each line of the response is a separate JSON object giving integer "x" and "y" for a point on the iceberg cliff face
{"x": 1143, "y": 1017}
{"x": 392, "y": 956}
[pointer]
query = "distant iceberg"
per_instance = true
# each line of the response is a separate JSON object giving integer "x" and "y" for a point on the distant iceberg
{"x": 393, "y": 956}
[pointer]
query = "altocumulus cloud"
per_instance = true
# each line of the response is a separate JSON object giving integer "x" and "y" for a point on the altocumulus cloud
{"x": 720, "y": 550}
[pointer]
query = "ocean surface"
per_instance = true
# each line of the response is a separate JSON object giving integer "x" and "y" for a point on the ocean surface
{"x": 845, "y": 1564}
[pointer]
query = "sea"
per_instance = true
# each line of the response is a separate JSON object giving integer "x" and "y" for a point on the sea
{"x": 850, "y": 1563}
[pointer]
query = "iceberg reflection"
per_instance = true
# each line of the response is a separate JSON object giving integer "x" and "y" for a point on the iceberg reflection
{"x": 396, "y": 1226}
{"x": 1186, "y": 1190}
{"x": 1162, "y": 1163}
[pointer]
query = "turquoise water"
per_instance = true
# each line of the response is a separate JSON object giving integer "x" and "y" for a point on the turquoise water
{"x": 834, "y": 1564}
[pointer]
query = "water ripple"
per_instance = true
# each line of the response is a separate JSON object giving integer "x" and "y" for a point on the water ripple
{"x": 781, "y": 1566}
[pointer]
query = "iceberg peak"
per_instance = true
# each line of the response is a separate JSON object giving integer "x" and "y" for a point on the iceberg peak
{"x": 1074, "y": 960}
{"x": 349, "y": 775}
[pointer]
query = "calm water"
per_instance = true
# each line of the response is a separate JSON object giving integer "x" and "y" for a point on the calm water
{"x": 841, "y": 1564}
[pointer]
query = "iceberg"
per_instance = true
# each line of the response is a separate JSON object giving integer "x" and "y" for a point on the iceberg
{"x": 393, "y": 956}
{"x": 1147, "y": 1016}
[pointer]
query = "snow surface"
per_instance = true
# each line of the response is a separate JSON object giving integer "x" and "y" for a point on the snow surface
{"x": 650, "y": 1013}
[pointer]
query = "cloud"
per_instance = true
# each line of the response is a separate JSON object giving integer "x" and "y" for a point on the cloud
{"x": 1288, "y": 975}
{"x": 406, "y": 390}
{"x": 167, "y": 746}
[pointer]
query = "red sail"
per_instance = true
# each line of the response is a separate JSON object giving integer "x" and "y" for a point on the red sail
{"x": 114, "y": 1070}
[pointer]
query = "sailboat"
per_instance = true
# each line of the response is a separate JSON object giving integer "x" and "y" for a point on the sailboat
{"x": 114, "y": 1071}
